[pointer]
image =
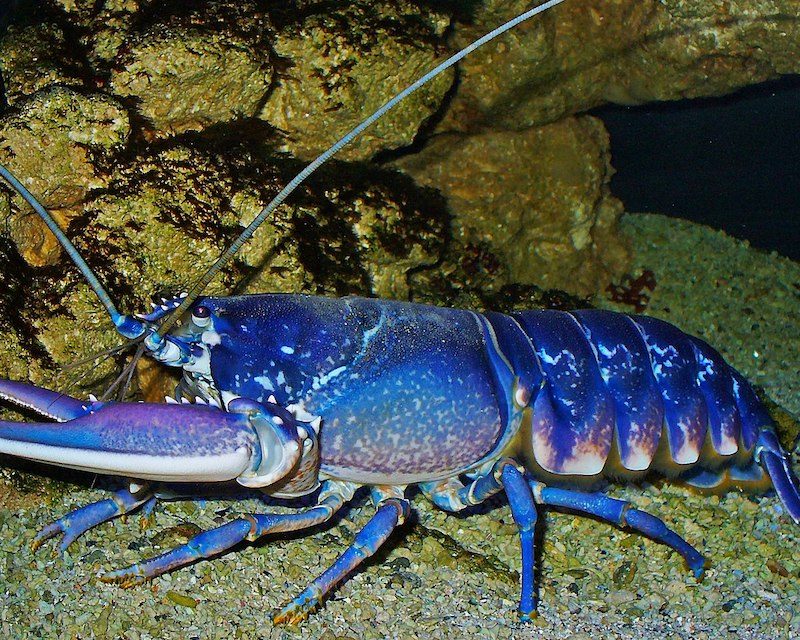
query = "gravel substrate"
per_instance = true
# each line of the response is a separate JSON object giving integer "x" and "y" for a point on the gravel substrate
{"x": 443, "y": 576}
{"x": 744, "y": 302}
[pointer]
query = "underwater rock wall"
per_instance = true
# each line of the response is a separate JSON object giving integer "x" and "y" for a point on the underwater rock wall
{"x": 155, "y": 130}
{"x": 585, "y": 54}
{"x": 534, "y": 204}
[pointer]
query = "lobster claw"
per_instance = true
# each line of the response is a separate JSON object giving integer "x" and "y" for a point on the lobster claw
{"x": 253, "y": 443}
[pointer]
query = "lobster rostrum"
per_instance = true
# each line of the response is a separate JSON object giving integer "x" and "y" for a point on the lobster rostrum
{"x": 297, "y": 394}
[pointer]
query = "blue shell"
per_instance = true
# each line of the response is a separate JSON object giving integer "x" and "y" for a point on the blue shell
{"x": 412, "y": 393}
{"x": 407, "y": 392}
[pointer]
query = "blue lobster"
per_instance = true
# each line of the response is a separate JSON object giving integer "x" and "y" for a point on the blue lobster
{"x": 297, "y": 394}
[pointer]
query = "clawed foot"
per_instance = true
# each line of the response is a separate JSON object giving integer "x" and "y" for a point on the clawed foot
{"x": 60, "y": 526}
{"x": 77, "y": 522}
{"x": 298, "y": 609}
{"x": 125, "y": 578}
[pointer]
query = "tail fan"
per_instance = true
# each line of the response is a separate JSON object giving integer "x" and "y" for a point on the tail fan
{"x": 771, "y": 456}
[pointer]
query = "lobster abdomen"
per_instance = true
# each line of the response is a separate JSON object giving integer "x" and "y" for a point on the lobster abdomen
{"x": 598, "y": 380}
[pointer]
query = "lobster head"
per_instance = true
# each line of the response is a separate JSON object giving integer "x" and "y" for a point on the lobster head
{"x": 186, "y": 345}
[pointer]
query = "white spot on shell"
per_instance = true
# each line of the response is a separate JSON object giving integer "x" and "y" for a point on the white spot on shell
{"x": 265, "y": 382}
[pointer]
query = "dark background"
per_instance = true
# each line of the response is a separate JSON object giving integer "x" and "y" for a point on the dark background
{"x": 7, "y": 10}
{"x": 732, "y": 163}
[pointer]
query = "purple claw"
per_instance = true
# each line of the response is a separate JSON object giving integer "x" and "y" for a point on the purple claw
{"x": 178, "y": 443}
{"x": 255, "y": 444}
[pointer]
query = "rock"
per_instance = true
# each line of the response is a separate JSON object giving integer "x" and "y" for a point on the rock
{"x": 54, "y": 141}
{"x": 314, "y": 70}
{"x": 693, "y": 49}
{"x": 187, "y": 73}
{"x": 80, "y": 10}
{"x": 20, "y": 356}
{"x": 161, "y": 208}
{"x": 537, "y": 201}
{"x": 342, "y": 65}
{"x": 107, "y": 27}
{"x": 581, "y": 55}
{"x": 353, "y": 230}
{"x": 34, "y": 57}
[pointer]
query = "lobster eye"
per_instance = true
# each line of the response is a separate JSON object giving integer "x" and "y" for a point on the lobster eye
{"x": 201, "y": 316}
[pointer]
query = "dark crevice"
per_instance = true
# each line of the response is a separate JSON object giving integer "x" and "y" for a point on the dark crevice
{"x": 728, "y": 162}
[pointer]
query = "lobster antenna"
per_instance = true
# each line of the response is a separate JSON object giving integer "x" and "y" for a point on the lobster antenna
{"x": 231, "y": 251}
{"x": 121, "y": 322}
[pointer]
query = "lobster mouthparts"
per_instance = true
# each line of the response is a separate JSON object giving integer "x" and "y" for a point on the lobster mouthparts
{"x": 166, "y": 442}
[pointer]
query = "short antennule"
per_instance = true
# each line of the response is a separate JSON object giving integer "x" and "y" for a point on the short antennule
{"x": 197, "y": 289}
{"x": 126, "y": 325}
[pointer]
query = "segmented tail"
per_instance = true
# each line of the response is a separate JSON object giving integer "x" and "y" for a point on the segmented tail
{"x": 612, "y": 393}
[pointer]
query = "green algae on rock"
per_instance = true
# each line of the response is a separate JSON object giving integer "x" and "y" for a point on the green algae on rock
{"x": 187, "y": 73}
{"x": 343, "y": 65}
{"x": 350, "y": 230}
{"x": 37, "y": 56}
